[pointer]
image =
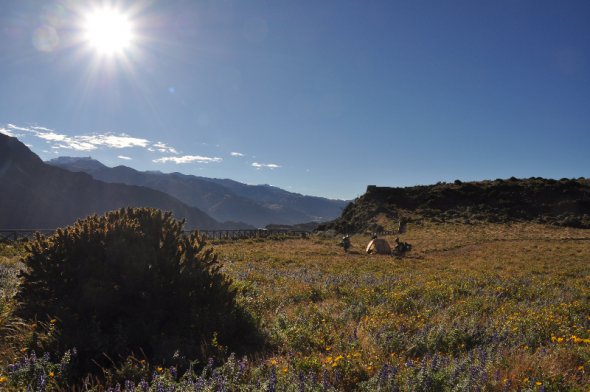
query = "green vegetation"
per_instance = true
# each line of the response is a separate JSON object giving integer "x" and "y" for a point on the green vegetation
{"x": 128, "y": 282}
{"x": 472, "y": 307}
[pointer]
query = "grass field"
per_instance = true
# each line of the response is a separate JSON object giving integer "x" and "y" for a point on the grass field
{"x": 471, "y": 307}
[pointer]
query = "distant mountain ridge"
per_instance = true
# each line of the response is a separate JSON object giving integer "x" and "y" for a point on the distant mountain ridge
{"x": 564, "y": 202}
{"x": 34, "y": 195}
{"x": 223, "y": 199}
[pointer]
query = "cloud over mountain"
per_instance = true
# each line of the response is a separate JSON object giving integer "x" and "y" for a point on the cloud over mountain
{"x": 188, "y": 159}
{"x": 87, "y": 142}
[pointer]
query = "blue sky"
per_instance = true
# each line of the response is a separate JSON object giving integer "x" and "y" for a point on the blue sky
{"x": 316, "y": 97}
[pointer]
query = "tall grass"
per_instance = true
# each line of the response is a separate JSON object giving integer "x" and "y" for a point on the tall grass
{"x": 472, "y": 307}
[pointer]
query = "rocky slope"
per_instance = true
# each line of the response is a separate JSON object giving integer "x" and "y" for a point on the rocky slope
{"x": 564, "y": 202}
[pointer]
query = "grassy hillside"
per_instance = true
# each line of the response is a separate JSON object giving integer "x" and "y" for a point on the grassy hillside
{"x": 564, "y": 202}
{"x": 473, "y": 307}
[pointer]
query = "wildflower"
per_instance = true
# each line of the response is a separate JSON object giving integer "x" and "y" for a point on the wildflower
{"x": 538, "y": 383}
{"x": 273, "y": 362}
{"x": 285, "y": 369}
{"x": 328, "y": 348}
{"x": 51, "y": 374}
{"x": 23, "y": 350}
{"x": 159, "y": 369}
{"x": 3, "y": 379}
{"x": 52, "y": 321}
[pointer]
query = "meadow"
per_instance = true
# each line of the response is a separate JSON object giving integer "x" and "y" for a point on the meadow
{"x": 490, "y": 307}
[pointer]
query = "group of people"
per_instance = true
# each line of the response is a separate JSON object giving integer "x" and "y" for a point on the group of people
{"x": 379, "y": 246}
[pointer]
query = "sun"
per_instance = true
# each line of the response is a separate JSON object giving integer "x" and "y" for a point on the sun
{"x": 108, "y": 31}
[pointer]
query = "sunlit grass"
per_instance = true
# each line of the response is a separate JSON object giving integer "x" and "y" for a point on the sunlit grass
{"x": 491, "y": 307}
{"x": 507, "y": 289}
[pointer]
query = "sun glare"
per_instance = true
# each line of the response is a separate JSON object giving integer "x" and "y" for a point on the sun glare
{"x": 108, "y": 31}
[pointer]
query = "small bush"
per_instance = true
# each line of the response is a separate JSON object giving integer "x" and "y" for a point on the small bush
{"x": 131, "y": 282}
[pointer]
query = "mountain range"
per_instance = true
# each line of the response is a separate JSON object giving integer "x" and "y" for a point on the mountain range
{"x": 222, "y": 199}
{"x": 35, "y": 195}
{"x": 38, "y": 195}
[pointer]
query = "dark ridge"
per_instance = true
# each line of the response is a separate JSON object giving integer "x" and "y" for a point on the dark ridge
{"x": 564, "y": 202}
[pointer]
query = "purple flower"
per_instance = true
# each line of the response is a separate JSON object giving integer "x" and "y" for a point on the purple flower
{"x": 143, "y": 385}
{"x": 41, "y": 382}
{"x": 129, "y": 385}
{"x": 325, "y": 383}
{"x": 272, "y": 384}
{"x": 301, "y": 382}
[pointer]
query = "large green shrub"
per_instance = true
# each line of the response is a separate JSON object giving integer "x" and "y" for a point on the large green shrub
{"x": 130, "y": 282}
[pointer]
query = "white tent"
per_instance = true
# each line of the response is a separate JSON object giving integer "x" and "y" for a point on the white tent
{"x": 379, "y": 246}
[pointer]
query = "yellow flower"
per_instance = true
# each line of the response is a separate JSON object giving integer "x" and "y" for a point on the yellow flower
{"x": 23, "y": 350}
{"x": 51, "y": 374}
{"x": 273, "y": 362}
{"x": 538, "y": 383}
{"x": 52, "y": 321}
{"x": 3, "y": 379}
{"x": 285, "y": 369}
{"x": 335, "y": 364}
{"x": 328, "y": 348}
{"x": 159, "y": 369}
{"x": 328, "y": 359}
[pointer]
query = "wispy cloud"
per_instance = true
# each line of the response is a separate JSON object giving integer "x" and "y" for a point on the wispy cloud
{"x": 89, "y": 142}
{"x": 110, "y": 140}
{"x": 236, "y": 154}
{"x": 188, "y": 159}
{"x": 162, "y": 147}
{"x": 7, "y": 132}
{"x": 271, "y": 166}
